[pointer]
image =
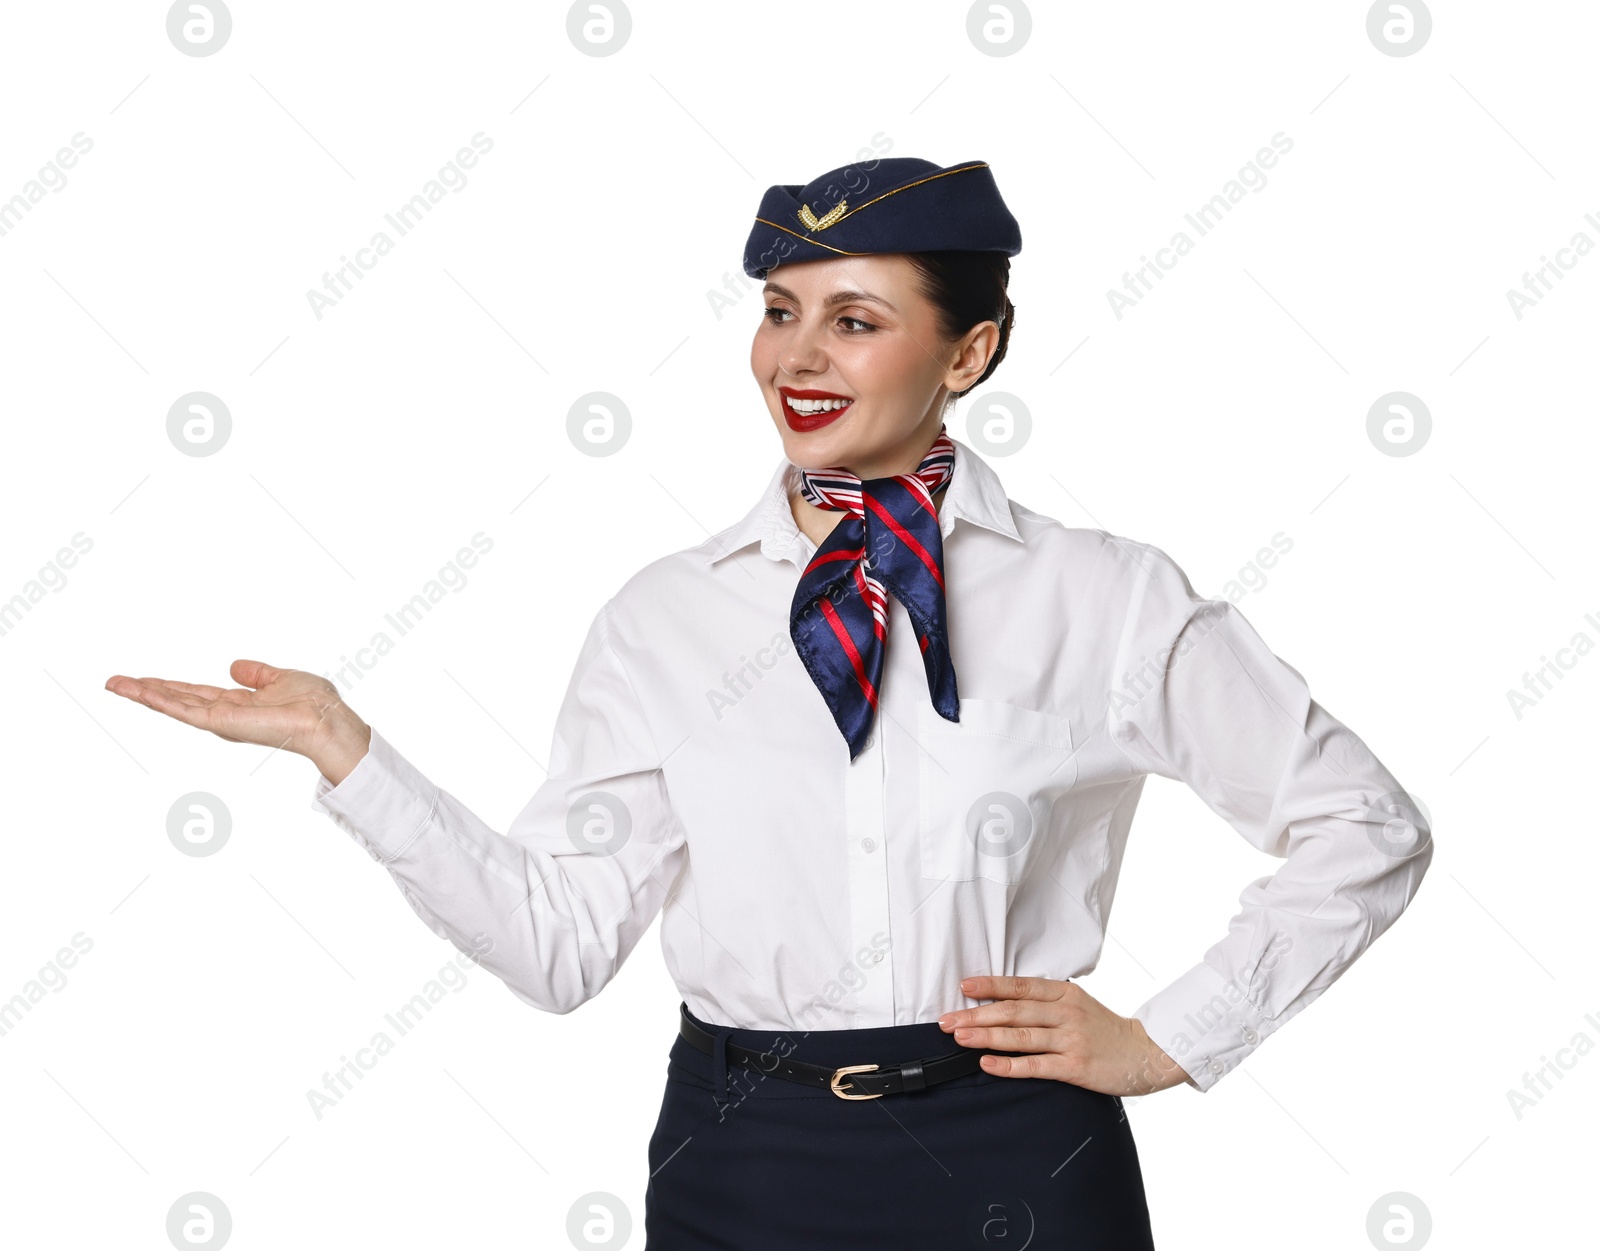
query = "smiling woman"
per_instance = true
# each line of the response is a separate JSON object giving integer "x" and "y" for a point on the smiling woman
{"x": 876, "y": 881}
{"x": 893, "y": 340}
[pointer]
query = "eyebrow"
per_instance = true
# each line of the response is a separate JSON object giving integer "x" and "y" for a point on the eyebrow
{"x": 838, "y": 297}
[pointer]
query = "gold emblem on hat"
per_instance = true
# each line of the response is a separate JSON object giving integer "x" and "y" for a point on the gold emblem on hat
{"x": 811, "y": 221}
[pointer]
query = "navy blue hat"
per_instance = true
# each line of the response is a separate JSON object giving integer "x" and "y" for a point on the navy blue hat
{"x": 893, "y": 204}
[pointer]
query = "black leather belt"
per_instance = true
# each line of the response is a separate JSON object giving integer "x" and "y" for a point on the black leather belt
{"x": 873, "y": 1081}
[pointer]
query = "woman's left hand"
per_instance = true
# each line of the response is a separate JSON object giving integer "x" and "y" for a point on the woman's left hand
{"x": 1074, "y": 1037}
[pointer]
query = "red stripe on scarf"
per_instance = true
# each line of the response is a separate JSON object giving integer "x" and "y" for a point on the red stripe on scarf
{"x": 849, "y": 646}
{"x": 907, "y": 538}
{"x": 823, "y": 558}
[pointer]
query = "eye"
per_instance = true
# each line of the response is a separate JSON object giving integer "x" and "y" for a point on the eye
{"x": 775, "y": 315}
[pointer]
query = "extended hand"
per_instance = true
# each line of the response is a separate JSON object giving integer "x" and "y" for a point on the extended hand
{"x": 1074, "y": 1036}
{"x": 287, "y": 709}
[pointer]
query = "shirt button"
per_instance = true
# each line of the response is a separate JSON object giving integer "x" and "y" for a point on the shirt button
{"x": 1251, "y": 1037}
{"x": 876, "y": 956}
{"x": 867, "y": 844}
{"x": 1216, "y": 1066}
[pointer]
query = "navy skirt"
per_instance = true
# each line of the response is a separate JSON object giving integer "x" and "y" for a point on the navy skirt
{"x": 757, "y": 1163}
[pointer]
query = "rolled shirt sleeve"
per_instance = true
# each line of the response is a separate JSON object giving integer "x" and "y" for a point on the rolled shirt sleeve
{"x": 1203, "y": 700}
{"x": 555, "y": 904}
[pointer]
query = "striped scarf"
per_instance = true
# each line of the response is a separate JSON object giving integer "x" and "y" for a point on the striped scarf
{"x": 838, "y": 618}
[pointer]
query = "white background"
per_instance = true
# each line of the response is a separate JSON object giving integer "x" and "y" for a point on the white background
{"x": 431, "y": 403}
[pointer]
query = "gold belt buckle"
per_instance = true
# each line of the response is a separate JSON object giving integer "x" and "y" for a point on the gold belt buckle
{"x": 851, "y": 1068}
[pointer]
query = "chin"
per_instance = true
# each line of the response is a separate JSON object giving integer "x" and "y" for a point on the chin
{"x": 817, "y": 449}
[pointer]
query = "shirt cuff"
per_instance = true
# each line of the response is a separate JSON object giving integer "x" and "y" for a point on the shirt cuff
{"x": 383, "y": 803}
{"x": 1205, "y": 1022}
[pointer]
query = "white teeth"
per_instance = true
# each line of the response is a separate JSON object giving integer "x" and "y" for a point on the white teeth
{"x": 816, "y": 406}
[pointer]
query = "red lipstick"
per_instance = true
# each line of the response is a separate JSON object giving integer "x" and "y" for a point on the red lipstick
{"x": 806, "y": 422}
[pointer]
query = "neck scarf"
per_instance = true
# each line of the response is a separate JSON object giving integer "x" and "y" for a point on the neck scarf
{"x": 889, "y": 541}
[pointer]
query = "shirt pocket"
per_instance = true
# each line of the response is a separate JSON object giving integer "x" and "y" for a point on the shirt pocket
{"x": 987, "y": 785}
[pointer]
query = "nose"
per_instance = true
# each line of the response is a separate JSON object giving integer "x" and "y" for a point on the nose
{"x": 803, "y": 351}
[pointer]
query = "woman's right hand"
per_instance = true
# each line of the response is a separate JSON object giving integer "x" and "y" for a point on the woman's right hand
{"x": 285, "y": 709}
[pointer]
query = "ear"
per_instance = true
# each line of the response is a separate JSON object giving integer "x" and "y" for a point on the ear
{"x": 971, "y": 355}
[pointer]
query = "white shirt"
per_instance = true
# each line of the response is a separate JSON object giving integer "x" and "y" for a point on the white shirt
{"x": 696, "y": 772}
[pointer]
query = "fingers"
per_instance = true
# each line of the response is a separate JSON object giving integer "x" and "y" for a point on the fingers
{"x": 180, "y": 707}
{"x": 238, "y": 716}
{"x": 188, "y": 692}
{"x": 1023, "y": 1066}
{"x": 985, "y": 987}
{"x": 1037, "y": 1001}
{"x": 253, "y": 673}
{"x": 1008, "y": 1038}
{"x": 175, "y": 691}
{"x": 190, "y": 688}
{"x": 128, "y": 688}
{"x": 1012, "y": 993}
{"x": 1046, "y": 1051}
{"x": 1006, "y": 1012}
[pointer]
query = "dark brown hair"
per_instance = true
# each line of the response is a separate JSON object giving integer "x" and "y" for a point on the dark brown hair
{"x": 967, "y": 288}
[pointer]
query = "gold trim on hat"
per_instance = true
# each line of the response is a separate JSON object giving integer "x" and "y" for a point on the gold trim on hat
{"x": 941, "y": 174}
{"x": 838, "y": 213}
{"x": 835, "y": 215}
{"x": 812, "y": 242}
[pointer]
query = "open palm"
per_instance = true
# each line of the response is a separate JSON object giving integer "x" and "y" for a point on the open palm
{"x": 287, "y": 709}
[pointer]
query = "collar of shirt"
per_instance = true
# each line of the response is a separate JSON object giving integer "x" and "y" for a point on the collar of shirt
{"x": 974, "y": 493}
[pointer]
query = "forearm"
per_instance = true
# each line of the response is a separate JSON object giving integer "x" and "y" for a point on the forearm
{"x": 555, "y": 918}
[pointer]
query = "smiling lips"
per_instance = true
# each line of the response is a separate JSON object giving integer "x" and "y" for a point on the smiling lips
{"x": 813, "y": 415}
